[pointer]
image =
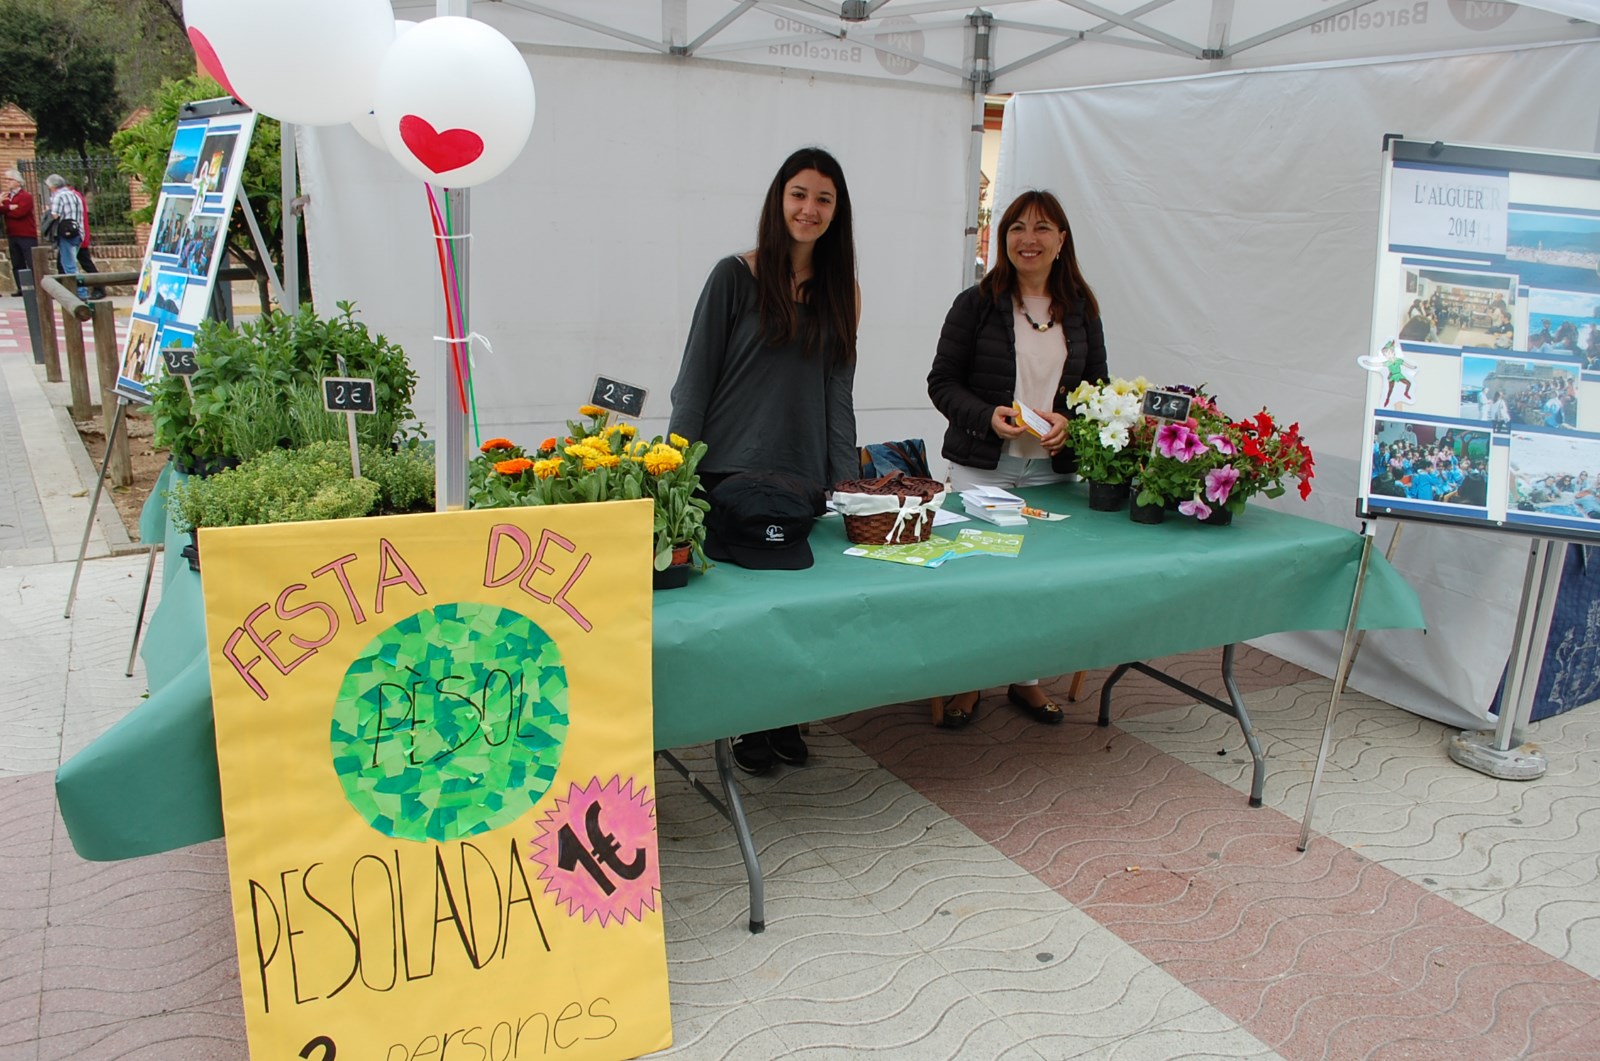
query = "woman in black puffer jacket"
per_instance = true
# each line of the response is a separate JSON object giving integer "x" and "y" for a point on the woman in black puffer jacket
{"x": 1029, "y": 332}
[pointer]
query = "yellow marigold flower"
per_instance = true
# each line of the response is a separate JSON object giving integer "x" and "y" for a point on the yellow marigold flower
{"x": 515, "y": 466}
{"x": 494, "y": 444}
{"x": 547, "y": 469}
{"x": 639, "y": 448}
{"x": 678, "y": 441}
{"x": 607, "y": 460}
{"x": 662, "y": 459}
{"x": 590, "y": 410}
{"x": 579, "y": 449}
{"x": 547, "y": 446}
{"x": 628, "y": 430}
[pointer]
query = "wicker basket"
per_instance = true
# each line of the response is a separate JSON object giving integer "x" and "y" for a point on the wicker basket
{"x": 904, "y": 508}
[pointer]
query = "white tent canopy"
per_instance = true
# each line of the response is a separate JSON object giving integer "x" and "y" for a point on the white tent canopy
{"x": 659, "y": 125}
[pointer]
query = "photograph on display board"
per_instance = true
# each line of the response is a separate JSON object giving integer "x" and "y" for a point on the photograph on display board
{"x": 1554, "y": 476}
{"x": 1556, "y": 248}
{"x": 1434, "y": 463}
{"x": 1455, "y": 308}
{"x": 171, "y": 219}
{"x": 1519, "y": 392}
{"x": 1565, "y": 322}
{"x": 216, "y": 157}
{"x": 167, "y": 302}
{"x": 140, "y": 350}
{"x": 200, "y": 238}
{"x": 185, "y": 156}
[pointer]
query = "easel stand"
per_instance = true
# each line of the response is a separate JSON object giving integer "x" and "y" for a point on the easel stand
{"x": 1501, "y": 752}
{"x": 94, "y": 504}
{"x": 1346, "y": 662}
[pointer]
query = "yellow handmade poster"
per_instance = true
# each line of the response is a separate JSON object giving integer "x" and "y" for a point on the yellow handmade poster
{"x": 434, "y": 736}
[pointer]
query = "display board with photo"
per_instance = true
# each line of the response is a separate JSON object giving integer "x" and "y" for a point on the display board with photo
{"x": 1483, "y": 374}
{"x": 188, "y": 230}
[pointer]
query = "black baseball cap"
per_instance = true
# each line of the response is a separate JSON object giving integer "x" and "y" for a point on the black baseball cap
{"x": 760, "y": 520}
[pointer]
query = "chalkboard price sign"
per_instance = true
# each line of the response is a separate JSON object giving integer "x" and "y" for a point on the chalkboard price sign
{"x": 179, "y": 360}
{"x": 619, "y": 397}
{"x": 343, "y": 394}
{"x": 1166, "y": 405}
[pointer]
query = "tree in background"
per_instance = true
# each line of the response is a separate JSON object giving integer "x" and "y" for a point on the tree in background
{"x": 142, "y": 151}
{"x": 61, "y": 73}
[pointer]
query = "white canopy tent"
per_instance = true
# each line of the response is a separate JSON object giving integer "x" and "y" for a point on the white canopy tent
{"x": 660, "y": 124}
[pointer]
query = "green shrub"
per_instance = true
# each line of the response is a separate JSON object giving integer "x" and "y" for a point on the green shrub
{"x": 279, "y": 486}
{"x": 259, "y": 384}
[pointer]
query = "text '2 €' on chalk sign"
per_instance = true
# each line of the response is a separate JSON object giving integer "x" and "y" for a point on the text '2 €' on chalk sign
{"x": 179, "y": 360}
{"x": 617, "y": 396}
{"x": 1166, "y": 405}
{"x": 347, "y": 394}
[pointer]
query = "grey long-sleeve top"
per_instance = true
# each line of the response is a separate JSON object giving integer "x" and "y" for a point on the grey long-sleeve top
{"x": 759, "y": 407}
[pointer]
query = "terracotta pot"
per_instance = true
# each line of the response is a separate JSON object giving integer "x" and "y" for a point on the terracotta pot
{"x": 680, "y": 554}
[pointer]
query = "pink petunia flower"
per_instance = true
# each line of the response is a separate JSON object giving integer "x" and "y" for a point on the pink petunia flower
{"x": 1222, "y": 444}
{"x": 1219, "y": 484}
{"x": 1180, "y": 441}
{"x": 1196, "y": 508}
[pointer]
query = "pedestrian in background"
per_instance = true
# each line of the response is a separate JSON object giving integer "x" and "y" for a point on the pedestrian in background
{"x": 64, "y": 224}
{"x": 22, "y": 231}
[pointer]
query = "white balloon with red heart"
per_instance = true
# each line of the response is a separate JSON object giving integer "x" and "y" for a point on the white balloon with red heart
{"x": 311, "y": 62}
{"x": 454, "y": 101}
{"x": 366, "y": 123}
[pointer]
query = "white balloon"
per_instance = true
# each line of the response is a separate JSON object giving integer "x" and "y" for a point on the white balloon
{"x": 454, "y": 101}
{"x": 366, "y": 123}
{"x": 311, "y": 62}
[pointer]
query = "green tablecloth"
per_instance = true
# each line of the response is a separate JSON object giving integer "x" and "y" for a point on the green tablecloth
{"x": 739, "y": 650}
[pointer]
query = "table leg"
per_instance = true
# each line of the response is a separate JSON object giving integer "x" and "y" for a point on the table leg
{"x": 741, "y": 829}
{"x": 144, "y": 600}
{"x": 733, "y": 811}
{"x": 1233, "y": 707}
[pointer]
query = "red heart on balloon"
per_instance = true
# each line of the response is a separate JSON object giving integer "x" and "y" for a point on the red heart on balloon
{"x": 440, "y": 152}
{"x": 208, "y": 59}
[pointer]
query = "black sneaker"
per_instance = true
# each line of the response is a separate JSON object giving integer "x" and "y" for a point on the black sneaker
{"x": 752, "y": 753}
{"x": 788, "y": 745}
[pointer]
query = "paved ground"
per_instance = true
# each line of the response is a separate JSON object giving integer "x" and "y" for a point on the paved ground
{"x": 1006, "y": 891}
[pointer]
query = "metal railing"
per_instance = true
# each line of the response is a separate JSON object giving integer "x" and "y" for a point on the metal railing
{"x": 105, "y": 188}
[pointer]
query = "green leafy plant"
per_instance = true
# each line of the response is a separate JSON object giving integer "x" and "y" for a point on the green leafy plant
{"x": 258, "y": 385}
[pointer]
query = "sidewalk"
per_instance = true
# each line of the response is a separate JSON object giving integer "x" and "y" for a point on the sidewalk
{"x": 1005, "y": 891}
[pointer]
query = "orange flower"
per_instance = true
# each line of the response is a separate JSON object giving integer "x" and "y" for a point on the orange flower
{"x": 515, "y": 466}
{"x": 547, "y": 445}
{"x": 494, "y": 444}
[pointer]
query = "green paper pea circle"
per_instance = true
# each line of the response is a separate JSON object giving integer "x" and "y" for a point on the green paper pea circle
{"x": 451, "y": 722}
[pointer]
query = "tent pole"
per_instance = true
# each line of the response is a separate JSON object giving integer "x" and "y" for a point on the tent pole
{"x": 979, "y": 26}
{"x": 450, "y": 456}
{"x": 290, "y": 190}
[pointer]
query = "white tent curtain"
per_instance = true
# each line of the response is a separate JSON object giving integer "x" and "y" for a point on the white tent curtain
{"x": 1228, "y": 224}
{"x": 589, "y": 253}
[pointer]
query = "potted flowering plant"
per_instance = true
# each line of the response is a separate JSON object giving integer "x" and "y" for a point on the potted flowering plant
{"x": 601, "y": 461}
{"x": 1104, "y": 433}
{"x": 1209, "y": 465}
